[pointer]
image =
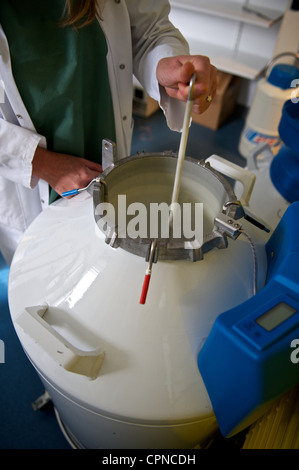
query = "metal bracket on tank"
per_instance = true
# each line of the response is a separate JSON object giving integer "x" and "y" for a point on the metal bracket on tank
{"x": 228, "y": 225}
{"x": 108, "y": 153}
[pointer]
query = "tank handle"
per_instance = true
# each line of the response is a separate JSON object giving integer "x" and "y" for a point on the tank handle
{"x": 73, "y": 359}
{"x": 245, "y": 177}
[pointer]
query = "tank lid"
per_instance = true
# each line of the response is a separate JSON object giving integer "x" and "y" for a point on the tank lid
{"x": 282, "y": 75}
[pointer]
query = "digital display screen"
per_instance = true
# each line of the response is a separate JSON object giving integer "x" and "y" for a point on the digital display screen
{"x": 275, "y": 316}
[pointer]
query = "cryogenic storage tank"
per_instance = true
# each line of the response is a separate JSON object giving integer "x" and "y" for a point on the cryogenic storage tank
{"x": 123, "y": 374}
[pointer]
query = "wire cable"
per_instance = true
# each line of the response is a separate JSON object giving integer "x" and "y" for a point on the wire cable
{"x": 254, "y": 259}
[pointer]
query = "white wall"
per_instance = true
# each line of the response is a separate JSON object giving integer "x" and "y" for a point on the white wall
{"x": 237, "y": 42}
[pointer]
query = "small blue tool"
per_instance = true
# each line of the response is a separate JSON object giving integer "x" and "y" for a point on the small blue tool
{"x": 248, "y": 360}
{"x": 72, "y": 192}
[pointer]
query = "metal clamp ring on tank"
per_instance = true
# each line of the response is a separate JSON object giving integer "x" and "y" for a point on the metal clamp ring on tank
{"x": 142, "y": 176}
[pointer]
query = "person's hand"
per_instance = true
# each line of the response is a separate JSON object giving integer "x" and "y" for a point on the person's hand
{"x": 174, "y": 74}
{"x": 63, "y": 172}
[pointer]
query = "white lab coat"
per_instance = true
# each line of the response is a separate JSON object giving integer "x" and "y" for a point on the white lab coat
{"x": 138, "y": 35}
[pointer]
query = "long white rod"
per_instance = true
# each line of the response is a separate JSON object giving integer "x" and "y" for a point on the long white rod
{"x": 182, "y": 150}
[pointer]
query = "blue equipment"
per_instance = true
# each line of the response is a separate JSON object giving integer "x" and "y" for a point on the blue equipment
{"x": 251, "y": 356}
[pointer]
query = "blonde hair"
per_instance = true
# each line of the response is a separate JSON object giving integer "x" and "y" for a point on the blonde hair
{"x": 79, "y": 13}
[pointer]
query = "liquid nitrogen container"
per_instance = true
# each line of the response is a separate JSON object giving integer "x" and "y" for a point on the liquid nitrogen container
{"x": 264, "y": 115}
{"x": 123, "y": 374}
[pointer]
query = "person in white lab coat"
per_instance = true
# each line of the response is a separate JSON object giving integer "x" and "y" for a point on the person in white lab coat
{"x": 65, "y": 87}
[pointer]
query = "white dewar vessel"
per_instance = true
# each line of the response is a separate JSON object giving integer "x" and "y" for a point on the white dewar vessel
{"x": 122, "y": 374}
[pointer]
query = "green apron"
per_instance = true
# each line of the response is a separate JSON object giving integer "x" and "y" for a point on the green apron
{"x": 62, "y": 76}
